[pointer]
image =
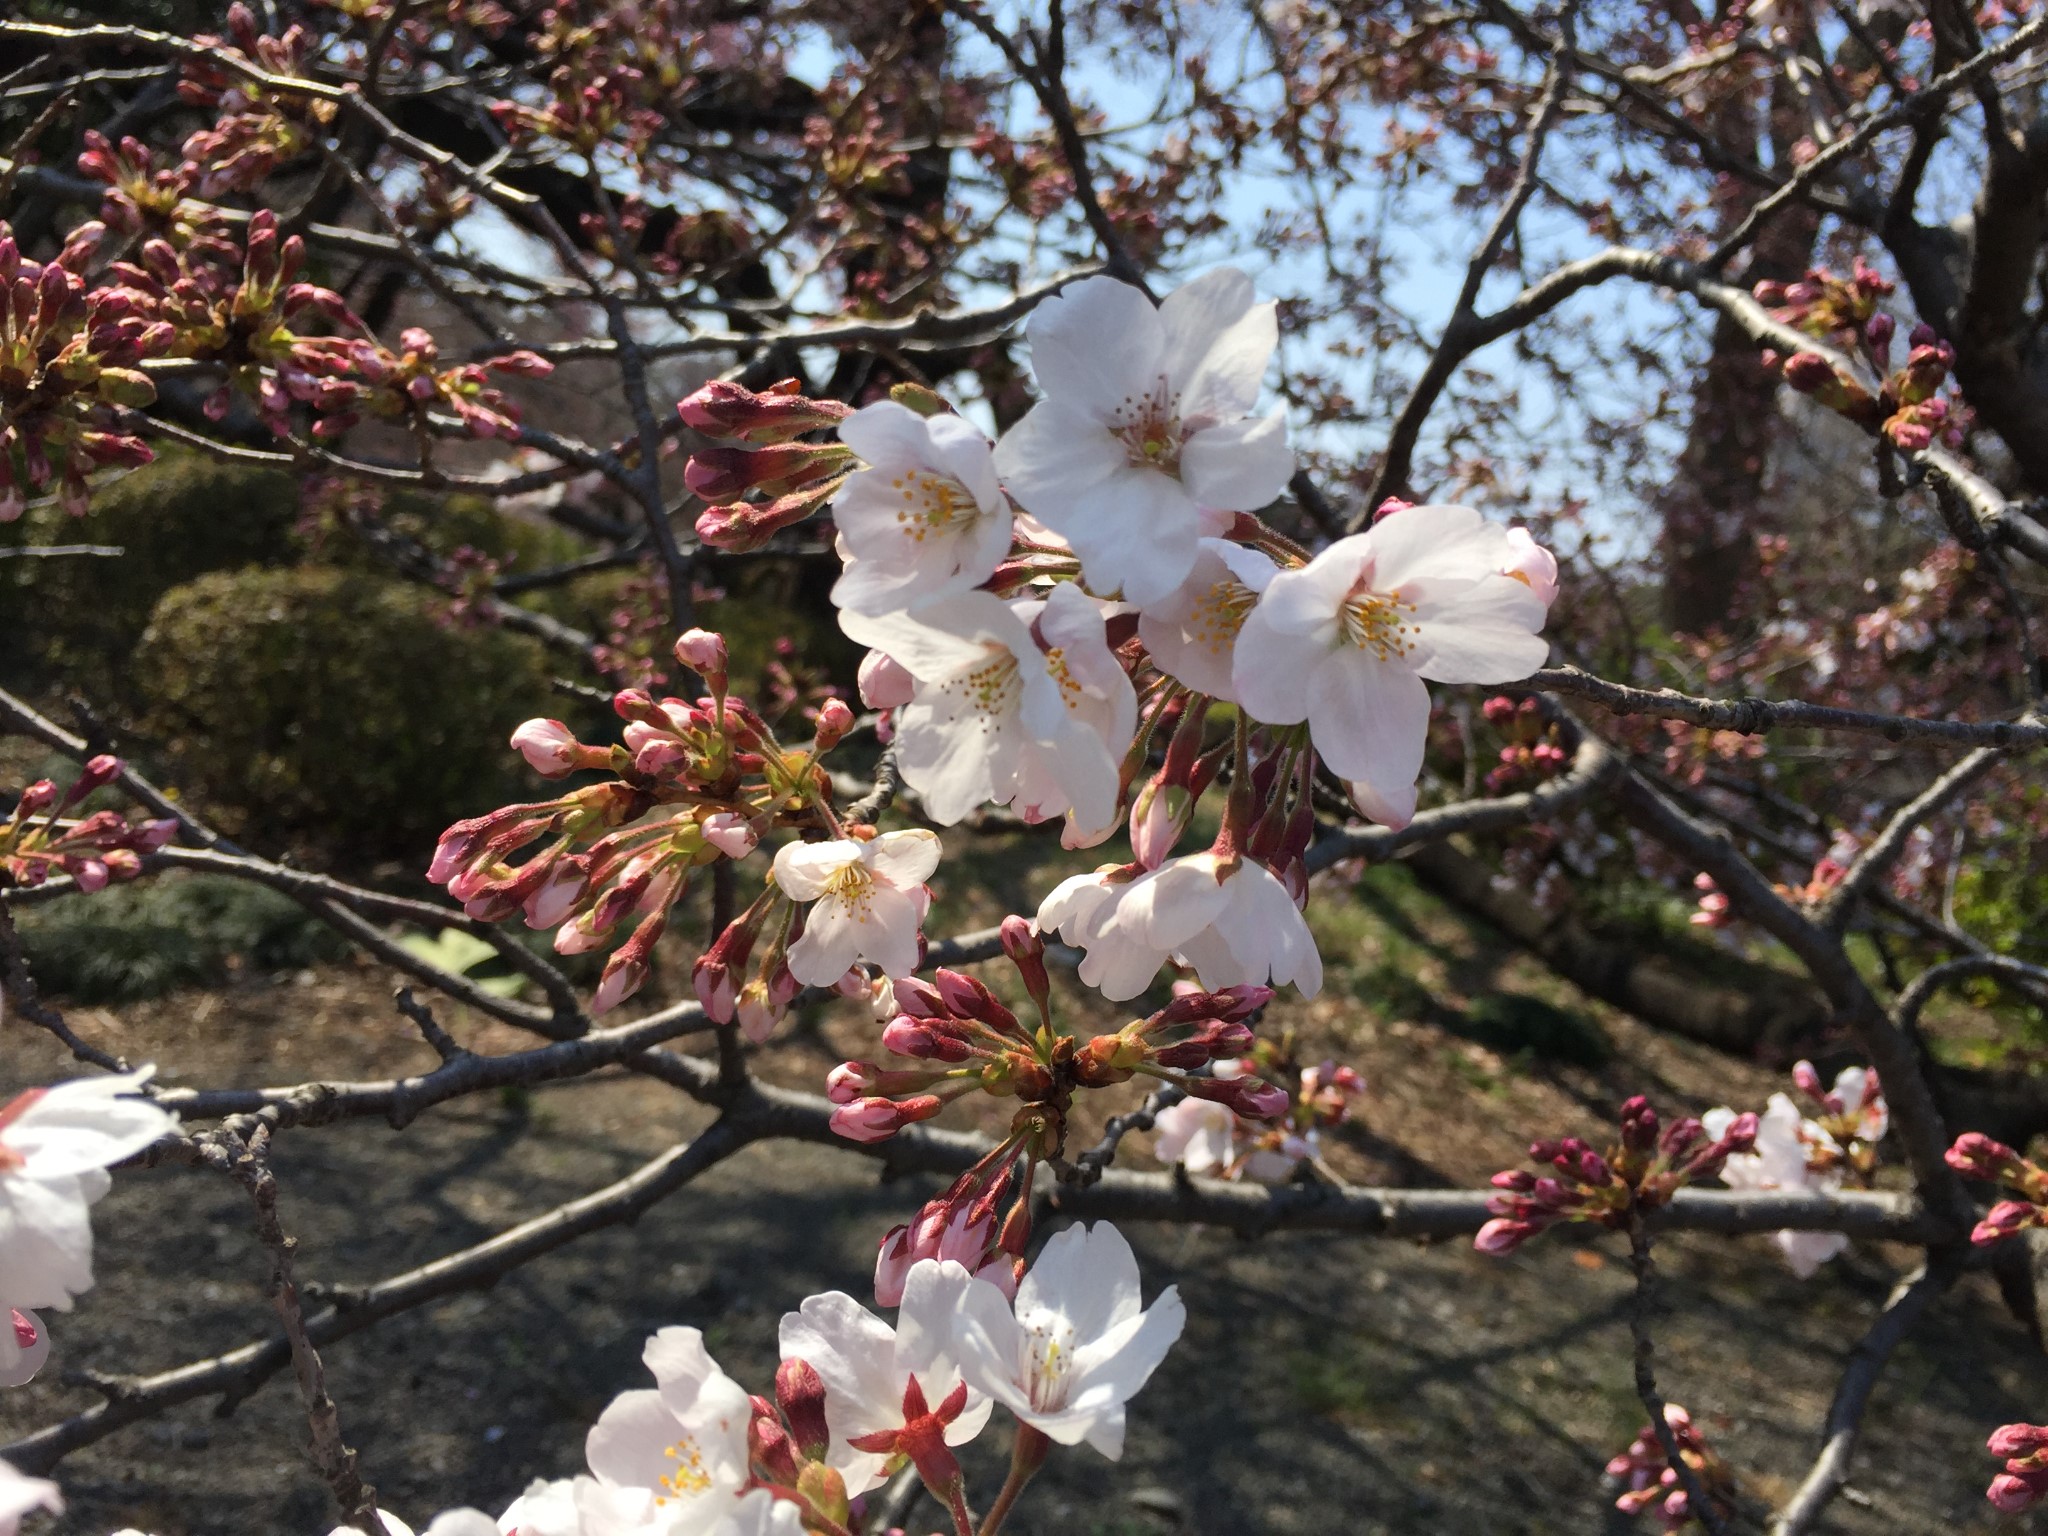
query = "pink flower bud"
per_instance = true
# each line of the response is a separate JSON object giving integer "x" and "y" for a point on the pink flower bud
{"x": 884, "y": 684}
{"x": 871, "y": 1120}
{"x": 835, "y": 719}
{"x": 548, "y": 746}
{"x": 892, "y": 1266}
{"x": 2014, "y": 1441}
{"x": 2013, "y": 1493}
{"x": 1809, "y": 372}
{"x": 730, "y": 833}
{"x": 801, "y": 1393}
{"x": 1501, "y": 1236}
{"x": 1252, "y": 1097}
{"x": 703, "y": 652}
{"x": 623, "y": 974}
{"x": 850, "y": 1080}
{"x": 925, "y": 1039}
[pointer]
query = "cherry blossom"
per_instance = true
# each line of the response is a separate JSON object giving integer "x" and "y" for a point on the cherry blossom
{"x": 868, "y": 899}
{"x": 20, "y": 1494}
{"x": 1018, "y": 702}
{"x": 1192, "y": 631}
{"x": 1232, "y": 920}
{"x": 1346, "y": 641}
{"x": 1779, "y": 1161}
{"x": 680, "y": 1449}
{"x": 24, "y": 1346}
{"x": 926, "y": 518}
{"x": 1076, "y": 1345}
{"x": 55, "y": 1145}
{"x": 1209, "y": 1140}
{"x": 1145, "y": 431}
{"x": 868, "y": 1368}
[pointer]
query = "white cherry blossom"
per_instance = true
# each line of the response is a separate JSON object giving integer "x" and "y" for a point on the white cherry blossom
{"x": 1235, "y": 923}
{"x": 865, "y": 1364}
{"x": 1076, "y": 1345}
{"x": 20, "y": 1494}
{"x": 1779, "y": 1162}
{"x": 867, "y": 900}
{"x": 1345, "y": 641}
{"x": 55, "y": 1145}
{"x": 926, "y": 518}
{"x": 1192, "y": 631}
{"x": 24, "y": 1345}
{"x": 1016, "y": 703}
{"x": 1145, "y": 440}
{"x": 1196, "y": 1133}
{"x": 671, "y": 1461}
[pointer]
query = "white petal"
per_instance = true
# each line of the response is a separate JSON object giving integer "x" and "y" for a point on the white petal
{"x": 1087, "y": 1275}
{"x": 902, "y": 859}
{"x": 804, "y": 871}
{"x": 1488, "y": 635}
{"x": 1219, "y": 341}
{"x": 888, "y": 435}
{"x": 833, "y": 938}
{"x": 1095, "y": 344}
{"x": 1270, "y": 668}
{"x": 1238, "y": 466}
{"x": 1369, "y": 719}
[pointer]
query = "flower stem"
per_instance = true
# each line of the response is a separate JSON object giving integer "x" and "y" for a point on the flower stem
{"x": 1027, "y": 1455}
{"x": 1697, "y": 1498}
{"x": 955, "y": 1495}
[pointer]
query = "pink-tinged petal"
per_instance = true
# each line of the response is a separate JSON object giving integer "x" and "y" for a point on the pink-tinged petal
{"x": 903, "y": 859}
{"x": 1369, "y": 720}
{"x": 1271, "y": 667}
{"x": 884, "y": 684}
{"x": 1238, "y": 466}
{"x": 24, "y": 1345}
{"x": 1488, "y": 634}
{"x": 1096, "y": 344}
{"x": 1393, "y": 807}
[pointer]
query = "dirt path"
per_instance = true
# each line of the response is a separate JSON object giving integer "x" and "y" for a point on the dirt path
{"x": 1326, "y": 1384}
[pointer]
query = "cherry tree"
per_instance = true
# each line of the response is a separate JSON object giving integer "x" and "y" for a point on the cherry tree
{"x": 1251, "y": 443}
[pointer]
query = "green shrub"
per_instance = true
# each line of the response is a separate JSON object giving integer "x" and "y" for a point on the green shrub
{"x": 76, "y": 618}
{"x": 130, "y": 942}
{"x": 329, "y": 711}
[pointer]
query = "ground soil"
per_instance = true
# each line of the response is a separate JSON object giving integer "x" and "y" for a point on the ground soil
{"x": 1326, "y": 1383}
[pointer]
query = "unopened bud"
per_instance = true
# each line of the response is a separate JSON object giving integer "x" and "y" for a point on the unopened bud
{"x": 703, "y": 652}
{"x": 871, "y": 1120}
{"x": 835, "y": 719}
{"x": 1252, "y": 1097}
{"x": 801, "y": 1393}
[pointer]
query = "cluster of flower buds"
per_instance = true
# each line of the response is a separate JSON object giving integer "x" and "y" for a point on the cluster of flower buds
{"x": 67, "y": 365}
{"x": 2024, "y": 1482}
{"x": 1532, "y": 753}
{"x": 1977, "y": 1156}
{"x": 1652, "y": 1482}
{"x": 966, "y": 1223}
{"x": 693, "y": 782}
{"x": 244, "y": 309}
{"x": 1638, "y": 1174}
{"x": 1908, "y": 410}
{"x": 1853, "y": 1118}
{"x": 35, "y": 841}
{"x": 258, "y": 129}
{"x": 586, "y": 112}
{"x": 1714, "y": 909}
{"x": 788, "y": 1441}
{"x": 792, "y": 479}
{"x": 1830, "y": 308}
{"x": 142, "y": 198}
{"x": 390, "y": 384}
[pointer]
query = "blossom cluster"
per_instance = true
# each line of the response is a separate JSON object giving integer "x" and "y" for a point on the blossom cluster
{"x": 1635, "y": 1175}
{"x": 56, "y": 1144}
{"x": 1209, "y": 1138}
{"x": 1821, "y": 1151}
{"x": 36, "y": 841}
{"x": 1045, "y": 611}
{"x": 1653, "y": 1483}
{"x": 855, "y": 1401}
{"x": 1981, "y": 1157}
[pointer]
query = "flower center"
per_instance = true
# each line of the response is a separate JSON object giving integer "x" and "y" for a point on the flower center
{"x": 688, "y": 1478}
{"x": 1149, "y": 427}
{"x": 990, "y": 690}
{"x": 1372, "y": 621}
{"x": 853, "y": 887}
{"x": 1219, "y": 614}
{"x": 1048, "y": 1362}
{"x": 932, "y": 504}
